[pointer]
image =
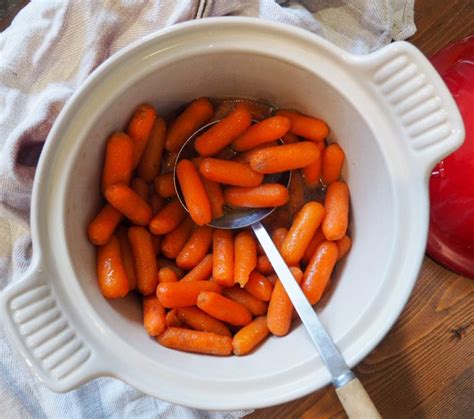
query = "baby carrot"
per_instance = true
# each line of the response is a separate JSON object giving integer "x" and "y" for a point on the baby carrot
{"x": 183, "y": 294}
{"x": 193, "y": 118}
{"x": 169, "y": 162}
{"x": 259, "y": 286}
{"x": 318, "y": 272}
{"x": 111, "y": 275}
{"x": 220, "y": 135}
{"x": 343, "y": 246}
{"x": 168, "y": 218}
{"x": 164, "y": 185}
{"x": 140, "y": 187}
{"x": 268, "y": 130}
{"x": 201, "y": 272}
{"x": 279, "y": 236}
{"x": 172, "y": 319}
{"x": 195, "y": 248}
{"x": 199, "y": 320}
{"x": 129, "y": 203}
{"x": 332, "y": 161}
{"x": 239, "y": 295}
{"x": 166, "y": 263}
{"x": 245, "y": 156}
{"x": 263, "y": 196}
{"x": 229, "y": 172}
{"x": 103, "y": 225}
{"x": 280, "y": 309}
{"x": 118, "y": 160}
{"x": 250, "y": 336}
{"x": 156, "y": 203}
{"x": 310, "y": 128}
{"x": 166, "y": 274}
{"x": 223, "y": 308}
{"x": 195, "y": 196}
{"x": 245, "y": 256}
{"x": 317, "y": 239}
{"x": 301, "y": 232}
{"x": 175, "y": 240}
{"x": 312, "y": 172}
{"x": 335, "y": 222}
{"x": 150, "y": 164}
{"x": 196, "y": 341}
{"x": 139, "y": 129}
{"x": 153, "y": 315}
{"x": 214, "y": 192}
{"x": 127, "y": 259}
{"x": 223, "y": 257}
{"x": 284, "y": 157}
{"x": 263, "y": 265}
{"x": 145, "y": 259}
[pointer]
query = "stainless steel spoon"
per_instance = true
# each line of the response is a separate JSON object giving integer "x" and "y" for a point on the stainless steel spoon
{"x": 349, "y": 389}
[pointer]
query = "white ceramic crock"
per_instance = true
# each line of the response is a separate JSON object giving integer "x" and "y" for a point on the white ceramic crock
{"x": 390, "y": 112}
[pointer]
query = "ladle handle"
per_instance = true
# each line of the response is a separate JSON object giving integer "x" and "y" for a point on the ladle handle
{"x": 349, "y": 389}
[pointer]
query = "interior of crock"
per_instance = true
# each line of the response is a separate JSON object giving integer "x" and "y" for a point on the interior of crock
{"x": 356, "y": 281}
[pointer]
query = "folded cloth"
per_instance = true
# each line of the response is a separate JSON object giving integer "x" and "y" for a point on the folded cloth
{"x": 47, "y": 52}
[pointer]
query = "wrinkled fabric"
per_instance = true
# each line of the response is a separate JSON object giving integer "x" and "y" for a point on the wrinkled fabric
{"x": 47, "y": 52}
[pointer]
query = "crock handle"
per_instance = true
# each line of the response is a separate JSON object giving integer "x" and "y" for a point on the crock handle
{"x": 417, "y": 99}
{"x": 37, "y": 327}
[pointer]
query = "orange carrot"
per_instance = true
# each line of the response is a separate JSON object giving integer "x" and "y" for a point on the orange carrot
{"x": 284, "y": 157}
{"x": 259, "y": 286}
{"x": 263, "y": 265}
{"x": 150, "y": 164}
{"x": 268, "y": 130}
{"x": 301, "y": 232}
{"x": 168, "y": 218}
{"x": 250, "y": 336}
{"x": 280, "y": 309}
{"x": 156, "y": 203}
{"x": 153, "y": 315}
{"x": 172, "y": 319}
{"x": 140, "y": 187}
{"x": 174, "y": 241}
{"x": 193, "y": 118}
{"x": 194, "y": 193}
{"x": 310, "y": 128}
{"x": 279, "y": 236}
{"x": 229, "y": 172}
{"x": 199, "y": 320}
{"x": 111, "y": 275}
{"x": 169, "y": 162}
{"x": 213, "y": 191}
{"x": 223, "y": 308}
{"x": 127, "y": 259}
{"x": 289, "y": 138}
{"x": 103, "y": 225}
{"x": 166, "y": 274}
{"x": 196, "y": 341}
{"x": 239, "y": 295}
{"x": 164, "y": 185}
{"x": 332, "y": 161}
{"x": 246, "y": 156}
{"x": 118, "y": 160}
{"x": 166, "y": 263}
{"x": 129, "y": 203}
{"x": 223, "y": 257}
{"x": 343, "y": 246}
{"x": 195, "y": 248}
{"x": 245, "y": 256}
{"x": 145, "y": 259}
{"x": 335, "y": 222}
{"x": 139, "y": 129}
{"x": 220, "y": 135}
{"x": 317, "y": 239}
{"x": 263, "y": 196}
{"x": 201, "y": 272}
{"x": 312, "y": 172}
{"x": 318, "y": 272}
{"x": 183, "y": 294}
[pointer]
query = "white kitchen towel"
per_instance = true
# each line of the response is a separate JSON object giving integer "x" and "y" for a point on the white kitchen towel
{"x": 45, "y": 55}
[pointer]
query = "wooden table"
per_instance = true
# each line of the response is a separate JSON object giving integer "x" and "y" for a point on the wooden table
{"x": 424, "y": 366}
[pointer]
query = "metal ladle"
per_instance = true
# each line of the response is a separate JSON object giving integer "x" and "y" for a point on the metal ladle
{"x": 349, "y": 389}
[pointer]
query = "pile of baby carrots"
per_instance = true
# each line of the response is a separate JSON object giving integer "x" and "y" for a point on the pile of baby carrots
{"x": 210, "y": 290}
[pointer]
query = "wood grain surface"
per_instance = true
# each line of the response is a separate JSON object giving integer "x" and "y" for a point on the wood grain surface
{"x": 424, "y": 368}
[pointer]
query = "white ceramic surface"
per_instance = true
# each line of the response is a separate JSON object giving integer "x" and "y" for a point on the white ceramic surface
{"x": 390, "y": 112}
